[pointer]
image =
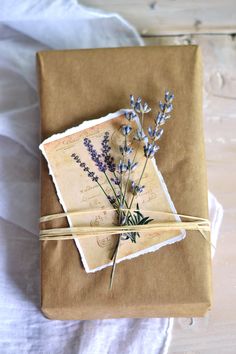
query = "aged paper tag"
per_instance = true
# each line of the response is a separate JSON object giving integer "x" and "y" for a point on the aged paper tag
{"x": 76, "y": 191}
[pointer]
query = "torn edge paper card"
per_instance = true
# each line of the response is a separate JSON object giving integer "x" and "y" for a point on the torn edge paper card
{"x": 77, "y": 192}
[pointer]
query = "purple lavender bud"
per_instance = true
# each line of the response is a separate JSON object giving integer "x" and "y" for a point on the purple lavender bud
{"x": 108, "y": 159}
{"x": 165, "y": 108}
{"x": 126, "y": 150}
{"x": 126, "y": 129}
{"x": 85, "y": 168}
{"x": 101, "y": 166}
{"x": 116, "y": 181}
{"x": 130, "y": 115}
{"x": 158, "y": 134}
{"x": 151, "y": 132}
{"x": 121, "y": 167}
{"x": 139, "y": 99}
{"x": 95, "y": 156}
{"x": 139, "y": 135}
{"x": 111, "y": 199}
{"x": 136, "y": 189}
{"x": 87, "y": 141}
{"x": 131, "y": 165}
{"x": 132, "y": 102}
{"x": 169, "y": 108}
{"x": 169, "y": 97}
{"x": 162, "y": 106}
{"x": 138, "y": 107}
{"x": 76, "y": 158}
{"x": 160, "y": 119}
{"x": 155, "y": 133}
{"x": 150, "y": 150}
{"x": 146, "y": 108}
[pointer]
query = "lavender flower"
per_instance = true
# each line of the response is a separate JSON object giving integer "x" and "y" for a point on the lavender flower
{"x": 116, "y": 181}
{"x": 155, "y": 133}
{"x": 150, "y": 149}
{"x": 169, "y": 97}
{"x": 136, "y": 189}
{"x": 141, "y": 107}
{"x": 132, "y": 101}
{"x": 105, "y": 143}
{"x": 146, "y": 108}
{"x": 165, "y": 107}
{"x": 131, "y": 165}
{"x": 138, "y": 106}
{"x": 104, "y": 161}
{"x": 121, "y": 167}
{"x": 126, "y": 129}
{"x": 108, "y": 159}
{"x": 111, "y": 199}
{"x": 161, "y": 118}
{"x": 139, "y": 135}
{"x": 95, "y": 156}
{"x": 130, "y": 115}
{"x": 126, "y": 150}
{"x": 90, "y": 174}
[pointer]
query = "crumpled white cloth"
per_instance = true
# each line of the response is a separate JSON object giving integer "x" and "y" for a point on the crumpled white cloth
{"x": 25, "y": 28}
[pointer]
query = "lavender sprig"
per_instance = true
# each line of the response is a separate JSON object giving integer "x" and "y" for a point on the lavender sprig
{"x": 136, "y": 189}
{"x": 99, "y": 159}
{"x": 95, "y": 156}
{"x": 155, "y": 133}
{"x": 86, "y": 169}
{"x": 108, "y": 159}
{"x": 138, "y": 106}
{"x": 94, "y": 178}
{"x": 106, "y": 164}
{"x": 110, "y": 162}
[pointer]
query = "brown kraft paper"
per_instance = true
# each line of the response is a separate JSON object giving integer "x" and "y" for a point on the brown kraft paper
{"x": 78, "y": 85}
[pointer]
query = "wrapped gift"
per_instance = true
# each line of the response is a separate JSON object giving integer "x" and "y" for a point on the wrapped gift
{"x": 79, "y": 85}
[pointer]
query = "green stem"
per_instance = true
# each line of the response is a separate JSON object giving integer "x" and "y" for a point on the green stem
{"x": 126, "y": 187}
{"x": 142, "y": 121}
{"x": 134, "y": 158}
{"x": 120, "y": 216}
{"x": 114, "y": 262}
{"x": 123, "y": 161}
{"x": 113, "y": 189}
{"x": 124, "y": 201}
{"x": 99, "y": 184}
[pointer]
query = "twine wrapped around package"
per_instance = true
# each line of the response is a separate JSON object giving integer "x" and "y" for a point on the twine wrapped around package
{"x": 194, "y": 223}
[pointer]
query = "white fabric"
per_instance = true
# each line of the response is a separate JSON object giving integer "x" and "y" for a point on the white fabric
{"x": 27, "y": 27}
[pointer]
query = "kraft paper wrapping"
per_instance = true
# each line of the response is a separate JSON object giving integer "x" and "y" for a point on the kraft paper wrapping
{"x": 84, "y": 195}
{"x": 174, "y": 281}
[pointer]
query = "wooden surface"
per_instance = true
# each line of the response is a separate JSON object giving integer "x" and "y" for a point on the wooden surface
{"x": 168, "y": 17}
{"x": 210, "y": 24}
